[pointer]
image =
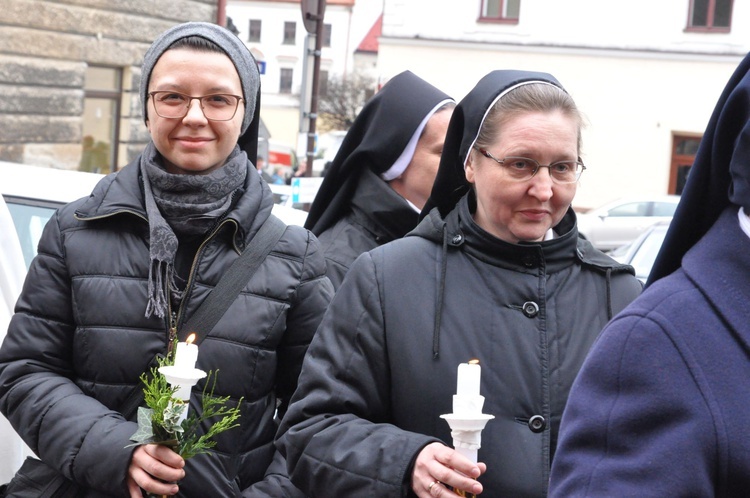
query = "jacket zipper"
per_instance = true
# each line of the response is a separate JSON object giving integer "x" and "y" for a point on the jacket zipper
{"x": 175, "y": 317}
{"x": 172, "y": 330}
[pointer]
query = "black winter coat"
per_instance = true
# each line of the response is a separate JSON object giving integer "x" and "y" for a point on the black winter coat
{"x": 79, "y": 340}
{"x": 379, "y": 372}
{"x": 377, "y": 215}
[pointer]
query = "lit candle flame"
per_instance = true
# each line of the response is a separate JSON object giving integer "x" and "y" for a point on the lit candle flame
{"x": 191, "y": 339}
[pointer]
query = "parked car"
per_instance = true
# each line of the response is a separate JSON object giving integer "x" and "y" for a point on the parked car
{"x": 641, "y": 253}
{"x": 620, "y": 222}
{"x": 33, "y": 193}
{"x": 299, "y": 195}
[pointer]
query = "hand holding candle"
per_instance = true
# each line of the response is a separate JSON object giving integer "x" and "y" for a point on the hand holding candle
{"x": 166, "y": 391}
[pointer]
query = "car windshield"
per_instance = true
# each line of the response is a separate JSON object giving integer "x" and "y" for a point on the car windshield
{"x": 644, "y": 258}
{"x": 29, "y": 220}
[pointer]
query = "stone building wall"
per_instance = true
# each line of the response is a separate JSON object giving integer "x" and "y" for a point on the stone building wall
{"x": 45, "y": 48}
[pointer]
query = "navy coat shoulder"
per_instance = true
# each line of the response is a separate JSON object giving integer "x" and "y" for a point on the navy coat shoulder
{"x": 662, "y": 405}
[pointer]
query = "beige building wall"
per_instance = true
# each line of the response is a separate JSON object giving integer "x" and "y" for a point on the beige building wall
{"x": 634, "y": 102}
{"x": 634, "y": 68}
{"x": 281, "y": 123}
{"x": 45, "y": 48}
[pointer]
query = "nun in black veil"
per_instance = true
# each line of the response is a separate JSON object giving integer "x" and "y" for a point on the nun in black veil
{"x": 382, "y": 174}
{"x": 661, "y": 405}
{"x": 494, "y": 271}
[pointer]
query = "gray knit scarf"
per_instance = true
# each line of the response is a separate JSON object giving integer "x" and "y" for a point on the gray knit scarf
{"x": 179, "y": 205}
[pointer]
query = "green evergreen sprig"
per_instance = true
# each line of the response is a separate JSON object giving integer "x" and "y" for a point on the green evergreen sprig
{"x": 158, "y": 420}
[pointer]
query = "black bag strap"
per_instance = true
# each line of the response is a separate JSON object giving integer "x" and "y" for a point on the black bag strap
{"x": 223, "y": 295}
{"x": 234, "y": 280}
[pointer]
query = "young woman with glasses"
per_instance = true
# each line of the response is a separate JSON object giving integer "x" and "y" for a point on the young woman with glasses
{"x": 119, "y": 274}
{"x": 495, "y": 271}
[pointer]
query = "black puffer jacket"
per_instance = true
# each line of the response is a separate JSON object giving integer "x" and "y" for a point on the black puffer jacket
{"x": 379, "y": 373}
{"x": 377, "y": 215}
{"x": 79, "y": 340}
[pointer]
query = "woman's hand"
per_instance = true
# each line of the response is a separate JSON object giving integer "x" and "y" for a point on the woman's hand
{"x": 154, "y": 468}
{"x": 438, "y": 466}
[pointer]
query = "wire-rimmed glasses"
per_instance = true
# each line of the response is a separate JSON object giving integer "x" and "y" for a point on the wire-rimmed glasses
{"x": 523, "y": 168}
{"x": 215, "y": 107}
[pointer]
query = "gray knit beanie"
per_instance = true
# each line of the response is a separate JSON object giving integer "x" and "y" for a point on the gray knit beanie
{"x": 239, "y": 54}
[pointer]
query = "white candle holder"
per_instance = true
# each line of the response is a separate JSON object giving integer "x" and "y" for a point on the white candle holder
{"x": 184, "y": 379}
{"x": 467, "y": 422}
{"x": 466, "y": 431}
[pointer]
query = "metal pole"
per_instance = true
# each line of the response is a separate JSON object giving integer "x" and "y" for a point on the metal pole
{"x": 315, "y": 85}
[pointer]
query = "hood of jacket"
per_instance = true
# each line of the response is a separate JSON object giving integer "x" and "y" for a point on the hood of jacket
{"x": 447, "y": 230}
{"x": 458, "y": 230}
{"x": 382, "y": 210}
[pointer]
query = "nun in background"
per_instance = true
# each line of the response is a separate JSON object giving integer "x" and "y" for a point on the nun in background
{"x": 494, "y": 271}
{"x": 662, "y": 404}
{"x": 382, "y": 174}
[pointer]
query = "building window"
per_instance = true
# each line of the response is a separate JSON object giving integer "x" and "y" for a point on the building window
{"x": 326, "y": 41}
{"x": 290, "y": 33}
{"x": 253, "y": 34}
{"x": 684, "y": 149}
{"x": 710, "y": 15}
{"x": 101, "y": 119}
{"x": 505, "y": 11}
{"x": 285, "y": 81}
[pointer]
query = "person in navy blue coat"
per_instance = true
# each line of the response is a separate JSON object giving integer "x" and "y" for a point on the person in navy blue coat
{"x": 661, "y": 406}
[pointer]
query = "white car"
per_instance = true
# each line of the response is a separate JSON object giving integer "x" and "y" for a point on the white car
{"x": 620, "y": 222}
{"x": 33, "y": 194}
{"x": 642, "y": 252}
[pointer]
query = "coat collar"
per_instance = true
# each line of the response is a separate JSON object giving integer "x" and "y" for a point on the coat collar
{"x": 121, "y": 193}
{"x": 718, "y": 265}
{"x": 381, "y": 209}
{"x": 461, "y": 229}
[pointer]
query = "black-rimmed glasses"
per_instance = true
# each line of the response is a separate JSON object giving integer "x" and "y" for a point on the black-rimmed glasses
{"x": 522, "y": 168}
{"x": 216, "y": 107}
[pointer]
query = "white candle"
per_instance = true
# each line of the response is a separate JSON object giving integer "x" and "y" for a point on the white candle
{"x": 469, "y": 376}
{"x": 187, "y": 354}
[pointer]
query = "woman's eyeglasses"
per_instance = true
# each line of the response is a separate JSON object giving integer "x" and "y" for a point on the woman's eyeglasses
{"x": 522, "y": 168}
{"x": 216, "y": 107}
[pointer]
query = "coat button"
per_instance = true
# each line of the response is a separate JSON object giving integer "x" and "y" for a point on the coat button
{"x": 537, "y": 424}
{"x": 530, "y": 309}
{"x": 457, "y": 239}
